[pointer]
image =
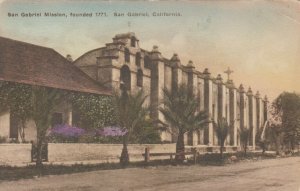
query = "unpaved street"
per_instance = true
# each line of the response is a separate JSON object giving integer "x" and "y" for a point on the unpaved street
{"x": 268, "y": 175}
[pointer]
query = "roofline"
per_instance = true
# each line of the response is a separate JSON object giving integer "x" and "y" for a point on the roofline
{"x": 82, "y": 73}
{"x": 56, "y": 87}
{"x": 105, "y": 90}
{"x": 26, "y": 43}
{"x": 88, "y": 53}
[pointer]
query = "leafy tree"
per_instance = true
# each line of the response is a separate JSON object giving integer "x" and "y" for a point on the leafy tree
{"x": 276, "y": 137}
{"x": 131, "y": 114}
{"x": 181, "y": 112}
{"x": 221, "y": 128}
{"x": 260, "y": 139}
{"x": 271, "y": 136}
{"x": 44, "y": 101}
{"x": 244, "y": 136}
{"x": 286, "y": 107}
{"x": 31, "y": 102}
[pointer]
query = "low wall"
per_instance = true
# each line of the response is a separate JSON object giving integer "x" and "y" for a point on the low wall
{"x": 70, "y": 153}
{"x": 73, "y": 152}
{"x": 15, "y": 154}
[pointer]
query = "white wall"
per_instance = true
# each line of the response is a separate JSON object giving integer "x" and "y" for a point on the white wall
{"x": 64, "y": 152}
{"x": 4, "y": 124}
{"x": 15, "y": 154}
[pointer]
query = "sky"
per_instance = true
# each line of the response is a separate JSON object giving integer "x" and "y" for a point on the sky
{"x": 259, "y": 40}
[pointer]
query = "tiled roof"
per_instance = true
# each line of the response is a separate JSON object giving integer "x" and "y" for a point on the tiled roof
{"x": 36, "y": 65}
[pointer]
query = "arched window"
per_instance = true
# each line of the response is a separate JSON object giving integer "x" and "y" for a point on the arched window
{"x": 139, "y": 78}
{"x": 127, "y": 55}
{"x": 147, "y": 62}
{"x": 132, "y": 41}
{"x": 125, "y": 77}
{"x": 138, "y": 59}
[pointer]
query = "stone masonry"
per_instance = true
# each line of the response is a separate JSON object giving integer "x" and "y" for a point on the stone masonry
{"x": 123, "y": 60}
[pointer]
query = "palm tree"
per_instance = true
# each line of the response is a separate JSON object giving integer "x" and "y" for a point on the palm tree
{"x": 131, "y": 114}
{"x": 245, "y": 132}
{"x": 221, "y": 128}
{"x": 181, "y": 111}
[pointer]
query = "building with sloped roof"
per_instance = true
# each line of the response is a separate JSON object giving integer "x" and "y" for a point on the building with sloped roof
{"x": 30, "y": 64}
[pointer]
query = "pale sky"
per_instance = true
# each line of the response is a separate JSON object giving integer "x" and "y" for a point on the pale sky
{"x": 259, "y": 40}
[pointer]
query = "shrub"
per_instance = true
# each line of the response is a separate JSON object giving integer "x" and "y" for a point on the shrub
{"x": 65, "y": 133}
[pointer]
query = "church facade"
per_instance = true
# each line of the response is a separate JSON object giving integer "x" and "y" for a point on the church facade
{"x": 124, "y": 61}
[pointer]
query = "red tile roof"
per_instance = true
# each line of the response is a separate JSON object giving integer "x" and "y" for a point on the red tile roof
{"x": 36, "y": 65}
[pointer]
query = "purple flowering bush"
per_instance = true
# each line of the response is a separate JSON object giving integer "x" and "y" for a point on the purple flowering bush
{"x": 65, "y": 133}
{"x": 69, "y": 134}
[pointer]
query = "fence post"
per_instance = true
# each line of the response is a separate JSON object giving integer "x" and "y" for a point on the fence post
{"x": 171, "y": 157}
{"x": 147, "y": 154}
{"x": 46, "y": 152}
{"x": 32, "y": 152}
{"x": 194, "y": 155}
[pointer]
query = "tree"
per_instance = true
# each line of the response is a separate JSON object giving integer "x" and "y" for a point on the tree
{"x": 245, "y": 132}
{"x": 260, "y": 139}
{"x": 276, "y": 136}
{"x": 181, "y": 111}
{"x": 221, "y": 128}
{"x": 131, "y": 114}
{"x": 270, "y": 135}
{"x": 44, "y": 101}
{"x": 286, "y": 107}
{"x": 31, "y": 102}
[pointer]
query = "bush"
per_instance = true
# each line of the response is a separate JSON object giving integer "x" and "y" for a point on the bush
{"x": 65, "y": 133}
{"x": 107, "y": 135}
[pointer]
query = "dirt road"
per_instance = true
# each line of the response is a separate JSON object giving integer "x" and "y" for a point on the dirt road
{"x": 267, "y": 175}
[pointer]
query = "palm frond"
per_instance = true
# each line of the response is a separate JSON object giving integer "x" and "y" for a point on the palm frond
{"x": 180, "y": 109}
{"x": 221, "y": 128}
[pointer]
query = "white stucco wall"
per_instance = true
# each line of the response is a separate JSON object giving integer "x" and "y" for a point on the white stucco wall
{"x": 15, "y": 154}
{"x": 63, "y": 152}
{"x": 4, "y": 124}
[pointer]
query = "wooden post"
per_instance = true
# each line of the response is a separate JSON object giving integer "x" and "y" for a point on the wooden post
{"x": 147, "y": 154}
{"x": 32, "y": 152}
{"x": 46, "y": 152}
{"x": 194, "y": 155}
